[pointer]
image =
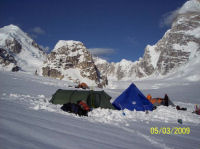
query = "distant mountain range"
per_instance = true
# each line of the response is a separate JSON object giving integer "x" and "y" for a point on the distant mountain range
{"x": 70, "y": 60}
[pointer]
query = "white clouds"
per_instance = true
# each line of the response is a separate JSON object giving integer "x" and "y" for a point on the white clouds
{"x": 101, "y": 51}
{"x": 168, "y": 18}
{"x": 38, "y": 30}
{"x": 189, "y": 6}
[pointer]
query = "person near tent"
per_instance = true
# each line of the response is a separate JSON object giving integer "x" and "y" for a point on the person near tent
{"x": 166, "y": 100}
{"x": 197, "y": 110}
{"x": 36, "y": 73}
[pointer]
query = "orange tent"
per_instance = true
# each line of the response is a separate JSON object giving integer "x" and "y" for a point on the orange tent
{"x": 160, "y": 101}
{"x": 154, "y": 101}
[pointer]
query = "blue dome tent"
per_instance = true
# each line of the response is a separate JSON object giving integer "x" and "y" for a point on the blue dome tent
{"x": 132, "y": 99}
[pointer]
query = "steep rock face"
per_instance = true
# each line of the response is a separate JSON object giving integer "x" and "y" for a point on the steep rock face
{"x": 179, "y": 45}
{"x": 13, "y": 45}
{"x": 18, "y": 51}
{"x": 71, "y": 60}
{"x": 6, "y": 59}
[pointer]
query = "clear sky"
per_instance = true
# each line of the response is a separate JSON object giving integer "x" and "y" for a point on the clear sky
{"x": 118, "y": 29}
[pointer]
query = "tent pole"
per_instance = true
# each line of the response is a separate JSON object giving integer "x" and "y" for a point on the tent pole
{"x": 123, "y": 113}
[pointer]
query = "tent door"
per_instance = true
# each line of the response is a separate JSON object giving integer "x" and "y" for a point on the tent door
{"x": 94, "y": 100}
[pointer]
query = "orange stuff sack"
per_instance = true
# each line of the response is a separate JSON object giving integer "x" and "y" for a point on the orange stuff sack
{"x": 83, "y": 85}
{"x": 84, "y": 106}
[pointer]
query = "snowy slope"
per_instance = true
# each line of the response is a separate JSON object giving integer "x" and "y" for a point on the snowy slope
{"x": 190, "y": 6}
{"x": 190, "y": 71}
{"x": 28, "y": 120}
{"x": 25, "y": 51}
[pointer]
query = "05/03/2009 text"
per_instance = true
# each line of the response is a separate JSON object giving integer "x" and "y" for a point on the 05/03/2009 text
{"x": 170, "y": 131}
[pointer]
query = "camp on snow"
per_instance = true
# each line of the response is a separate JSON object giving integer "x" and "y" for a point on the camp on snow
{"x": 93, "y": 99}
{"x": 132, "y": 99}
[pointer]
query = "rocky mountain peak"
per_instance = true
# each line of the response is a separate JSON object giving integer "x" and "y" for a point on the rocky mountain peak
{"x": 73, "y": 49}
{"x": 71, "y": 60}
{"x": 11, "y": 28}
{"x": 69, "y": 44}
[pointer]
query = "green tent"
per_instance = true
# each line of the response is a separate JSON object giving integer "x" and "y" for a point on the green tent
{"x": 94, "y": 99}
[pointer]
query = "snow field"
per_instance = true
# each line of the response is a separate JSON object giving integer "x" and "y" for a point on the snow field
{"x": 161, "y": 114}
{"x": 28, "y": 120}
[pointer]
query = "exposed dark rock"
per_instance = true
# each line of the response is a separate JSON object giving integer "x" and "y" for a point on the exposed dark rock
{"x": 6, "y": 58}
{"x": 16, "y": 68}
{"x": 13, "y": 45}
{"x": 48, "y": 72}
{"x": 37, "y": 46}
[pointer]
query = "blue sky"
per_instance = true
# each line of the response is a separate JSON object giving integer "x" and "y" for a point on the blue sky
{"x": 116, "y": 29}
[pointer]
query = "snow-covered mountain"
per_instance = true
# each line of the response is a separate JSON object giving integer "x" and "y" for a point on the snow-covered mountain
{"x": 123, "y": 70}
{"x": 179, "y": 46}
{"x": 19, "y": 51}
{"x": 70, "y": 60}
